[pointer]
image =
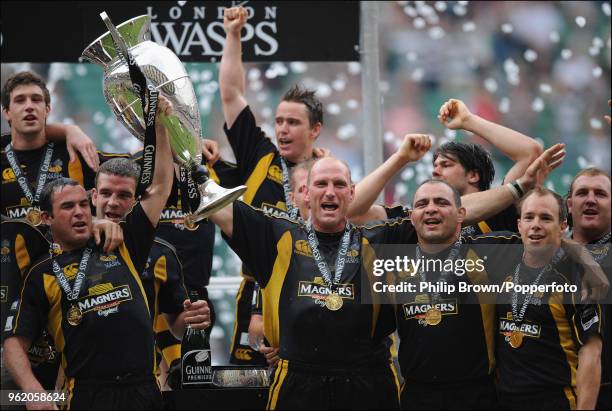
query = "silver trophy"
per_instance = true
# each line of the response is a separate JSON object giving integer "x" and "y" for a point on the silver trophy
{"x": 166, "y": 73}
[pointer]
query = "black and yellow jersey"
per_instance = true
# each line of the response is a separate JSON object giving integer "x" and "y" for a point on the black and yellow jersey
{"x": 21, "y": 244}
{"x": 503, "y": 221}
{"x": 194, "y": 248}
{"x": 461, "y": 347}
{"x": 295, "y": 318}
{"x": 162, "y": 280}
{"x": 14, "y": 202}
{"x": 115, "y": 336}
{"x": 555, "y": 326}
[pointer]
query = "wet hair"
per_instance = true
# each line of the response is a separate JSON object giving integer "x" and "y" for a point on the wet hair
{"x": 120, "y": 166}
{"x": 23, "y": 78}
{"x": 456, "y": 194}
{"x": 472, "y": 157}
{"x": 299, "y": 94}
{"x": 543, "y": 192}
{"x": 46, "y": 197}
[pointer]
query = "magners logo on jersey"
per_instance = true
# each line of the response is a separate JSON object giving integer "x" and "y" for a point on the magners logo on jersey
{"x": 275, "y": 174}
{"x": 418, "y": 308}
{"x": 277, "y": 210}
{"x": 529, "y": 329}
{"x": 318, "y": 289}
{"x": 105, "y": 302}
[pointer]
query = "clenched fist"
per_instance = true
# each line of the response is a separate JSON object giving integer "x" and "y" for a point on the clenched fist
{"x": 234, "y": 19}
{"x": 454, "y": 114}
{"x": 414, "y": 147}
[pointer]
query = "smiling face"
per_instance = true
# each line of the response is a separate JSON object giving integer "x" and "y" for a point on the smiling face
{"x": 435, "y": 215}
{"x": 70, "y": 220}
{"x": 114, "y": 196}
{"x": 589, "y": 205}
{"x": 294, "y": 134}
{"x": 27, "y": 111}
{"x": 329, "y": 194}
{"x": 539, "y": 224}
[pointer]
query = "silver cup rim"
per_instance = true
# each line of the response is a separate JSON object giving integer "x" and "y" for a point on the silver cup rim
{"x": 106, "y": 33}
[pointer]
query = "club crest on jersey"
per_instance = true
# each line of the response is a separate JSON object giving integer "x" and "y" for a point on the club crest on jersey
{"x": 8, "y": 176}
{"x": 417, "y": 309}
{"x": 56, "y": 167}
{"x": 275, "y": 174}
{"x": 529, "y": 329}
{"x": 110, "y": 260}
{"x": 104, "y": 299}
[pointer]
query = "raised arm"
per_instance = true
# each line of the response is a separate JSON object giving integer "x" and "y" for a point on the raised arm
{"x": 484, "y": 204}
{"x": 76, "y": 141}
{"x": 523, "y": 150}
{"x": 231, "y": 71}
{"x": 361, "y": 210}
{"x": 157, "y": 193}
{"x": 224, "y": 218}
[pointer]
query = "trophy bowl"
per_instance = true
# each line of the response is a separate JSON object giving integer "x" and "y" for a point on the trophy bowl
{"x": 164, "y": 71}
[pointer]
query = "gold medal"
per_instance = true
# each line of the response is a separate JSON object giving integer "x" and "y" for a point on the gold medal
{"x": 34, "y": 216}
{"x": 74, "y": 315}
{"x": 189, "y": 223}
{"x": 516, "y": 339}
{"x": 433, "y": 316}
{"x": 333, "y": 302}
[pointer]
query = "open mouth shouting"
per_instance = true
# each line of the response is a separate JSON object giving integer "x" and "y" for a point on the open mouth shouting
{"x": 329, "y": 207}
{"x": 432, "y": 222}
{"x": 80, "y": 226}
{"x": 112, "y": 216}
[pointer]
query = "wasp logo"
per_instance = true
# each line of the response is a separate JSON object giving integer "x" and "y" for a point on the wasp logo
{"x": 8, "y": 175}
{"x": 275, "y": 174}
{"x": 303, "y": 248}
{"x": 70, "y": 271}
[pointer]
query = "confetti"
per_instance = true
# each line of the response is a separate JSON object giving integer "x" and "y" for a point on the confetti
{"x": 389, "y": 137}
{"x": 411, "y": 56}
{"x": 450, "y": 134}
{"x": 490, "y": 85}
{"x": 323, "y": 90}
{"x": 580, "y": 21}
{"x": 595, "y": 123}
{"x": 333, "y": 109}
{"x": 407, "y": 174}
{"x": 554, "y": 36}
{"x": 598, "y": 42}
{"x": 507, "y": 28}
{"x": 597, "y": 71}
{"x": 504, "y": 105}
{"x": 566, "y": 54}
{"x": 254, "y": 74}
{"x": 459, "y": 10}
{"x": 419, "y": 23}
{"x": 606, "y": 8}
{"x": 410, "y": 11}
{"x": 594, "y": 50}
{"x": 81, "y": 69}
{"x": 354, "y": 67}
{"x": 530, "y": 55}
{"x": 537, "y": 105}
{"x": 545, "y": 88}
{"x": 417, "y": 75}
{"x": 346, "y": 131}
{"x": 436, "y": 32}
{"x": 298, "y": 67}
{"x": 469, "y": 26}
{"x": 440, "y": 6}
{"x": 352, "y": 104}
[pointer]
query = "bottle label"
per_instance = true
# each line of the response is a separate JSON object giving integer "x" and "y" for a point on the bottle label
{"x": 196, "y": 368}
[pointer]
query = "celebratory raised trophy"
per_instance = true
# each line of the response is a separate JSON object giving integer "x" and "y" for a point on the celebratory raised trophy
{"x": 164, "y": 73}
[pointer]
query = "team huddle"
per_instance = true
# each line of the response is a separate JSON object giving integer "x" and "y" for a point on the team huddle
{"x": 88, "y": 268}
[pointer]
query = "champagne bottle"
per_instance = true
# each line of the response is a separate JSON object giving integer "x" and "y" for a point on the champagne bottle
{"x": 196, "y": 368}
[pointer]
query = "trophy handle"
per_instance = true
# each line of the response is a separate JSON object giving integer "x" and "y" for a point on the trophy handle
{"x": 117, "y": 39}
{"x": 213, "y": 197}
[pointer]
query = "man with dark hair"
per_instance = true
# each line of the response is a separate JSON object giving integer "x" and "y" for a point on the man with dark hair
{"x": 468, "y": 167}
{"x": 95, "y": 299}
{"x": 548, "y": 343}
{"x": 162, "y": 278}
{"x": 589, "y": 204}
{"x": 28, "y": 158}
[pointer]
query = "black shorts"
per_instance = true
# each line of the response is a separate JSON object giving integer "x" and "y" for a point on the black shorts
{"x": 562, "y": 398}
{"x": 240, "y": 352}
{"x": 127, "y": 394}
{"x": 475, "y": 394}
{"x": 299, "y": 387}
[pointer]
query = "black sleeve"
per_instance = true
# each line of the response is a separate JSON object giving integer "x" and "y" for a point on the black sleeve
{"x": 254, "y": 240}
{"x": 587, "y": 321}
{"x": 397, "y": 211}
{"x": 505, "y": 220}
{"x": 227, "y": 174}
{"x": 89, "y": 176}
{"x": 103, "y": 156}
{"x": 398, "y": 231}
{"x": 249, "y": 143}
{"x": 138, "y": 234}
{"x": 172, "y": 293}
{"x": 33, "y": 308}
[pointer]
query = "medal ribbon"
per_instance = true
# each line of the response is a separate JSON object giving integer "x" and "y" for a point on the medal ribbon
{"x": 22, "y": 180}
{"x": 73, "y": 293}
{"x": 190, "y": 198}
{"x": 444, "y": 275}
{"x": 320, "y": 261}
{"x": 291, "y": 210}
